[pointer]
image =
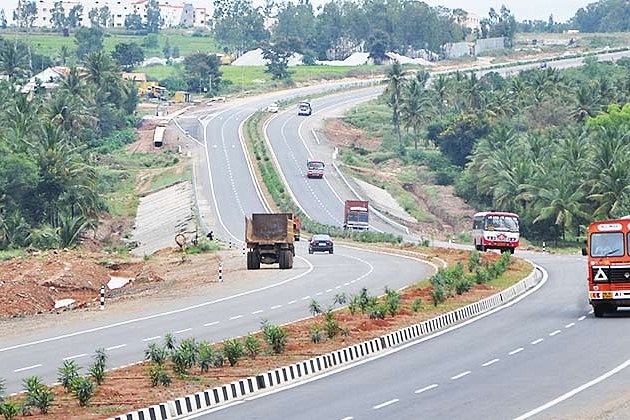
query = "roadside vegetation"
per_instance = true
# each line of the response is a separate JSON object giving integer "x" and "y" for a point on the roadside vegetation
{"x": 173, "y": 367}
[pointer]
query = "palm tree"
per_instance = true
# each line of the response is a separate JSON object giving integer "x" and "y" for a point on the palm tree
{"x": 395, "y": 77}
{"x": 415, "y": 107}
{"x": 14, "y": 60}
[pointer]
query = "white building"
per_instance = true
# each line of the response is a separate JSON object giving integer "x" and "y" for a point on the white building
{"x": 174, "y": 13}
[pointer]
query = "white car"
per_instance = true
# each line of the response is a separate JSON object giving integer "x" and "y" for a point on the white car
{"x": 272, "y": 107}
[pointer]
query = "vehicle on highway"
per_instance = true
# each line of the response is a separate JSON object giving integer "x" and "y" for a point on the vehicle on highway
{"x": 608, "y": 259}
{"x": 273, "y": 107}
{"x": 320, "y": 242}
{"x": 304, "y": 108}
{"x": 496, "y": 230}
{"x": 315, "y": 169}
{"x": 356, "y": 215}
{"x": 269, "y": 238}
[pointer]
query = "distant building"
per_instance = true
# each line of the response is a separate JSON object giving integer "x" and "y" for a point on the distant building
{"x": 174, "y": 14}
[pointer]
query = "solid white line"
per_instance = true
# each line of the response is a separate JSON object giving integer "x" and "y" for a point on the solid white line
{"x": 461, "y": 375}
{"x": 116, "y": 347}
{"x": 574, "y": 391}
{"x": 209, "y": 324}
{"x": 426, "y": 388}
{"x": 518, "y": 350}
{"x": 540, "y": 340}
{"x": 26, "y": 368}
{"x": 385, "y": 404}
{"x": 556, "y": 332}
{"x": 157, "y": 337}
{"x": 569, "y": 325}
{"x": 491, "y": 362}
{"x": 76, "y": 356}
{"x": 232, "y": 318}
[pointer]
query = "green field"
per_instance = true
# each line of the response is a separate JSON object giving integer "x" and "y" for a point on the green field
{"x": 49, "y": 43}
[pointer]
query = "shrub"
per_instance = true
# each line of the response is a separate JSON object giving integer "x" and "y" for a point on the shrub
{"x": 38, "y": 395}
{"x": 68, "y": 372}
{"x": 317, "y": 334}
{"x": 83, "y": 389}
{"x": 206, "y": 357}
{"x": 159, "y": 376}
{"x": 252, "y": 346}
{"x": 474, "y": 261}
{"x": 463, "y": 285}
{"x": 98, "y": 369}
{"x": 314, "y": 308}
{"x": 416, "y": 305}
{"x": 437, "y": 295}
{"x": 185, "y": 356}
{"x": 276, "y": 337}
{"x": 156, "y": 354}
{"x": 10, "y": 410}
{"x": 233, "y": 350}
{"x": 392, "y": 300}
{"x": 331, "y": 326}
{"x": 378, "y": 311}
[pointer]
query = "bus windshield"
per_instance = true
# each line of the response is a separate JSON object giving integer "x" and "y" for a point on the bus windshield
{"x": 501, "y": 222}
{"x": 608, "y": 244}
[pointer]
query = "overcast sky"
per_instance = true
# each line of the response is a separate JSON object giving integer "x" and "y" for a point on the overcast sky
{"x": 562, "y": 10}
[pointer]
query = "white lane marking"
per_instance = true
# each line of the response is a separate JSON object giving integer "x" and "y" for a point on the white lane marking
{"x": 26, "y": 368}
{"x": 346, "y": 284}
{"x": 347, "y": 418}
{"x": 183, "y": 331}
{"x": 569, "y": 325}
{"x": 490, "y": 362}
{"x": 329, "y": 290}
{"x": 157, "y": 337}
{"x": 426, "y": 388}
{"x": 518, "y": 350}
{"x": 120, "y": 346}
{"x": 574, "y": 391}
{"x": 306, "y": 297}
{"x": 163, "y": 314}
{"x": 461, "y": 375}
{"x": 291, "y": 302}
{"x": 556, "y": 332}
{"x": 232, "y": 318}
{"x": 76, "y": 356}
{"x": 582, "y": 318}
{"x": 540, "y": 340}
{"x": 260, "y": 311}
{"x": 319, "y": 293}
{"x": 276, "y": 306}
{"x": 209, "y": 324}
{"x": 385, "y": 404}
{"x": 338, "y": 287}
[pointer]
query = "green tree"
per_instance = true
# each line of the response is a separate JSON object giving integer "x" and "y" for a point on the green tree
{"x": 74, "y": 16}
{"x": 58, "y": 18}
{"x": 393, "y": 92}
{"x": 3, "y": 19}
{"x": 277, "y": 55}
{"x": 154, "y": 20}
{"x": 202, "y": 71}
{"x": 128, "y": 55}
{"x": 88, "y": 40}
{"x": 133, "y": 22}
{"x": 238, "y": 25}
{"x": 25, "y": 14}
{"x": 14, "y": 59}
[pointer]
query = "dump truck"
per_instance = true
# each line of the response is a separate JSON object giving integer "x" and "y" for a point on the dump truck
{"x": 356, "y": 215}
{"x": 269, "y": 238}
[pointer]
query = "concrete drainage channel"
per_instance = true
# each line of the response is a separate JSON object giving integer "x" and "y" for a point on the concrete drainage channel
{"x": 212, "y": 398}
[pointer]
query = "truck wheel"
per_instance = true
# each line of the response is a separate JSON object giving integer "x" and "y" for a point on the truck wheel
{"x": 253, "y": 263}
{"x": 284, "y": 259}
{"x": 599, "y": 310}
{"x": 290, "y": 258}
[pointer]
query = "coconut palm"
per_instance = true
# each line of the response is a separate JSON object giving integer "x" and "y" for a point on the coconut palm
{"x": 396, "y": 81}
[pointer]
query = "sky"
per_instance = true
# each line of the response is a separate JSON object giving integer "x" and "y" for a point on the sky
{"x": 562, "y": 10}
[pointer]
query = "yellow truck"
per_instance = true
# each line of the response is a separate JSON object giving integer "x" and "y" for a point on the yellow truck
{"x": 269, "y": 238}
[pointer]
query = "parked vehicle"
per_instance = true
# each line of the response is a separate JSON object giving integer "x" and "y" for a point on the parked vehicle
{"x": 320, "y": 242}
{"x": 608, "y": 258}
{"x": 273, "y": 107}
{"x": 304, "y": 108}
{"x": 269, "y": 238}
{"x": 356, "y": 215}
{"x": 496, "y": 230}
{"x": 315, "y": 169}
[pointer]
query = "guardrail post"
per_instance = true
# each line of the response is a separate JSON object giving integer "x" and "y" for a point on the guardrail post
{"x": 220, "y": 272}
{"x": 102, "y": 297}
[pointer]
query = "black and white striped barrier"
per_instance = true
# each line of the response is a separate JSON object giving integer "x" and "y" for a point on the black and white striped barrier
{"x": 102, "y": 297}
{"x": 184, "y": 406}
{"x": 220, "y": 272}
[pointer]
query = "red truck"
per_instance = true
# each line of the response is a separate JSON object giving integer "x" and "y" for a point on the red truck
{"x": 356, "y": 215}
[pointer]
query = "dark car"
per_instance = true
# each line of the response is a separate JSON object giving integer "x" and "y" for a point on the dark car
{"x": 320, "y": 243}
